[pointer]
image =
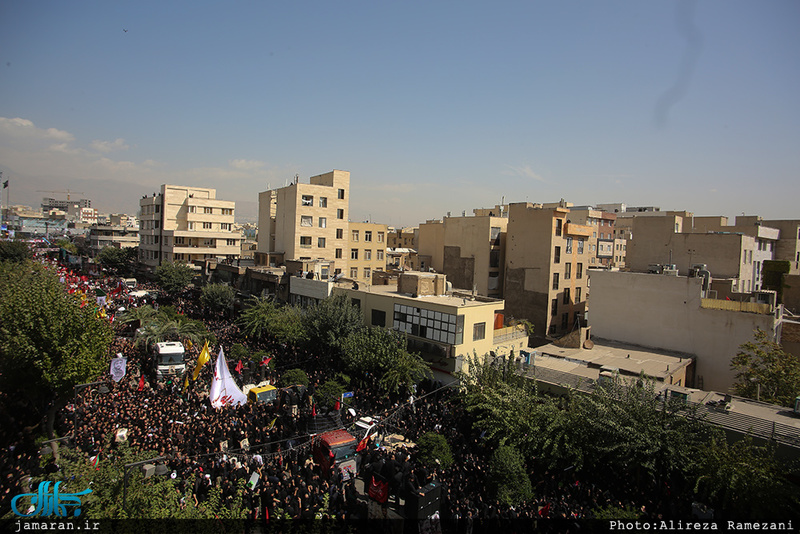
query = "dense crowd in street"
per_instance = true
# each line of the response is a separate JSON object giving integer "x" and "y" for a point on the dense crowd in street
{"x": 272, "y": 442}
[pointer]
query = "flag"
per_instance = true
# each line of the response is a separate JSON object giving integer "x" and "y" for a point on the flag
{"x": 224, "y": 390}
{"x": 337, "y": 406}
{"x": 314, "y": 410}
{"x": 239, "y": 367}
{"x": 185, "y": 384}
{"x": 545, "y": 511}
{"x": 272, "y": 424}
{"x": 189, "y": 344}
{"x": 118, "y": 368}
{"x": 5, "y": 184}
{"x": 201, "y": 361}
{"x": 94, "y": 460}
{"x": 141, "y": 383}
{"x": 379, "y": 490}
{"x": 265, "y": 361}
{"x": 362, "y": 444}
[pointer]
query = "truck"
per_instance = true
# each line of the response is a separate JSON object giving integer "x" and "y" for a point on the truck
{"x": 262, "y": 393}
{"x": 336, "y": 449}
{"x": 169, "y": 359}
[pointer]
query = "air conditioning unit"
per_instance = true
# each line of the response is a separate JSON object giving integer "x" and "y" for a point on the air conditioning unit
{"x": 670, "y": 272}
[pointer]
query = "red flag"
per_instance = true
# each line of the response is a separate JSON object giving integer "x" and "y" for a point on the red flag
{"x": 265, "y": 361}
{"x": 545, "y": 511}
{"x": 337, "y": 406}
{"x": 362, "y": 444}
{"x": 239, "y": 367}
{"x": 379, "y": 490}
{"x": 314, "y": 410}
{"x": 141, "y": 383}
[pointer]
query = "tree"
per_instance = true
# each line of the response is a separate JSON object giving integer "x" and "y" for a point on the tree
{"x": 328, "y": 393}
{"x": 329, "y": 322}
{"x": 48, "y": 343}
{"x": 508, "y": 479}
{"x": 763, "y": 366}
{"x": 218, "y": 297}
{"x": 15, "y": 251}
{"x": 292, "y": 377}
{"x": 434, "y": 450}
{"x": 119, "y": 260}
{"x": 174, "y": 277}
{"x": 67, "y": 245}
{"x": 263, "y": 318}
{"x": 165, "y": 324}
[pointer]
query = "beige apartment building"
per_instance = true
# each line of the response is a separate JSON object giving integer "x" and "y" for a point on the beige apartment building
{"x": 185, "y": 224}
{"x": 603, "y": 242}
{"x": 305, "y": 221}
{"x": 787, "y": 247}
{"x": 366, "y": 249}
{"x": 445, "y": 327}
{"x": 469, "y": 250}
{"x": 547, "y": 259}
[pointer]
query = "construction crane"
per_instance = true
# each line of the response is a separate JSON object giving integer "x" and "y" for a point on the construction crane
{"x": 67, "y": 192}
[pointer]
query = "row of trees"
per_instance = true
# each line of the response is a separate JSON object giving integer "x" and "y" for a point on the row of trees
{"x": 626, "y": 434}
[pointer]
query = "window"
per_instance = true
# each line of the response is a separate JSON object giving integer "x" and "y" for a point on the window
{"x": 580, "y": 246}
{"x": 225, "y": 226}
{"x": 206, "y": 226}
{"x": 190, "y": 226}
{"x": 557, "y": 255}
{"x": 378, "y": 318}
{"x": 353, "y": 253}
{"x": 368, "y": 235}
{"x": 554, "y": 307}
{"x": 338, "y": 253}
{"x": 323, "y": 222}
{"x": 564, "y": 321}
{"x": 192, "y": 209}
{"x": 380, "y": 237}
{"x": 306, "y": 220}
{"x": 208, "y": 210}
{"x": 494, "y": 258}
{"x": 579, "y": 271}
{"x": 569, "y": 245}
{"x": 429, "y": 324}
{"x": 231, "y": 242}
{"x": 179, "y": 241}
{"x": 555, "y": 280}
{"x": 353, "y": 272}
{"x": 323, "y": 202}
{"x": 567, "y": 271}
{"x": 367, "y": 254}
{"x": 559, "y": 226}
{"x": 367, "y": 273}
{"x": 340, "y": 214}
{"x": 379, "y": 254}
{"x": 320, "y": 242}
{"x": 566, "y": 295}
{"x": 341, "y": 194}
{"x": 307, "y": 200}
{"x": 354, "y": 235}
{"x": 227, "y": 211}
{"x": 594, "y": 234}
{"x": 339, "y": 233}
{"x": 305, "y": 241}
{"x": 478, "y": 331}
{"x": 578, "y": 294}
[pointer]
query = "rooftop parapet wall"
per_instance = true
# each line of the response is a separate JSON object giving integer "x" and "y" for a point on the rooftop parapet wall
{"x": 732, "y": 305}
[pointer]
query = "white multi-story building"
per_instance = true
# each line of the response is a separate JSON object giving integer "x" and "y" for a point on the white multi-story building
{"x": 184, "y": 224}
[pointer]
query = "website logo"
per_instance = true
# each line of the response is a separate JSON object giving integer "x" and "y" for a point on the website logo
{"x": 46, "y": 504}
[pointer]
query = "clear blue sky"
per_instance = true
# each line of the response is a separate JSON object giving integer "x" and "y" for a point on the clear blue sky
{"x": 432, "y": 106}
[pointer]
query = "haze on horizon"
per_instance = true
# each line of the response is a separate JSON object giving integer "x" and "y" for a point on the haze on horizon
{"x": 432, "y": 107}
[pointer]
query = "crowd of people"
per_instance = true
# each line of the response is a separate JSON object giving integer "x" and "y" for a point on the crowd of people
{"x": 217, "y": 447}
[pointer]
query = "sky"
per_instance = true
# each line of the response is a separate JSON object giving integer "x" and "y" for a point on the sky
{"x": 433, "y": 107}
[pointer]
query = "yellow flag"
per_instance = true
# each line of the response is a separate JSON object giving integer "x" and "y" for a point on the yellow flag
{"x": 185, "y": 384}
{"x": 201, "y": 361}
{"x": 272, "y": 424}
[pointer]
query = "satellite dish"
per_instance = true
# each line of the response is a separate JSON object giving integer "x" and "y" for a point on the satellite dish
{"x": 588, "y": 344}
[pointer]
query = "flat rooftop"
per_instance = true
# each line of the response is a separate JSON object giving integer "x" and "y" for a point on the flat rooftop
{"x": 631, "y": 360}
{"x": 453, "y": 299}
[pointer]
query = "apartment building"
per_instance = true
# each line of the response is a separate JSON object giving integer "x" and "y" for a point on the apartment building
{"x": 186, "y": 224}
{"x": 445, "y": 327}
{"x": 102, "y": 236}
{"x": 546, "y": 261}
{"x": 603, "y": 242}
{"x": 469, "y": 250}
{"x": 306, "y": 221}
{"x": 366, "y": 249}
{"x": 788, "y": 245}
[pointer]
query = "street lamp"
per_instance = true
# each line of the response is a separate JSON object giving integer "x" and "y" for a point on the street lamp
{"x": 127, "y": 473}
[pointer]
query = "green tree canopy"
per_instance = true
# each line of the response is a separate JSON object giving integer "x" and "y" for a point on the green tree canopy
{"x": 262, "y": 318}
{"x": 15, "y": 251}
{"x": 119, "y": 260}
{"x": 763, "y": 366}
{"x": 165, "y": 324}
{"x": 434, "y": 450}
{"x": 328, "y": 393}
{"x": 329, "y": 322}
{"x": 508, "y": 479}
{"x": 174, "y": 277}
{"x": 292, "y": 377}
{"x": 48, "y": 343}
{"x": 218, "y": 297}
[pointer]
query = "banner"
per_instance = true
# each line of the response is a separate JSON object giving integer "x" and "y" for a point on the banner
{"x": 118, "y": 368}
{"x": 224, "y": 390}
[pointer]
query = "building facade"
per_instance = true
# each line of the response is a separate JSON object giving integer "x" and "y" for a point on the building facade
{"x": 186, "y": 224}
{"x": 366, "y": 247}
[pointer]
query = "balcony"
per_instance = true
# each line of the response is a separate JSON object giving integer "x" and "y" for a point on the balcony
{"x": 509, "y": 333}
{"x": 580, "y": 230}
